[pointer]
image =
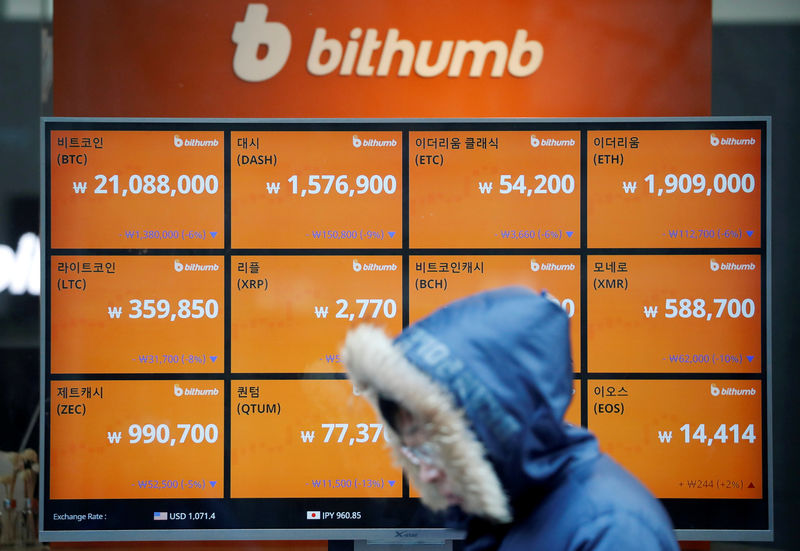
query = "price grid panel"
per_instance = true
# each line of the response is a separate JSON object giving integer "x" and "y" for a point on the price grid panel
{"x": 199, "y": 277}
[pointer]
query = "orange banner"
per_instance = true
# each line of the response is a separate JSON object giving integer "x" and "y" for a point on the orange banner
{"x": 437, "y": 280}
{"x": 304, "y": 58}
{"x": 494, "y": 189}
{"x": 682, "y": 188}
{"x": 316, "y": 189}
{"x": 683, "y": 439}
{"x": 137, "y": 314}
{"x": 322, "y": 439}
{"x": 136, "y": 439}
{"x": 668, "y": 314}
{"x": 132, "y": 189}
{"x": 290, "y": 314}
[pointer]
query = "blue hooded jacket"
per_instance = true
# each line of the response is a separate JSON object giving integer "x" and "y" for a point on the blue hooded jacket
{"x": 493, "y": 371}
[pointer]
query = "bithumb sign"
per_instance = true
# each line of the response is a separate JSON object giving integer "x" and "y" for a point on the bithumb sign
{"x": 370, "y": 53}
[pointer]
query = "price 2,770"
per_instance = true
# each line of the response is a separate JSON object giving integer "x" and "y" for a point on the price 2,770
{"x": 364, "y": 308}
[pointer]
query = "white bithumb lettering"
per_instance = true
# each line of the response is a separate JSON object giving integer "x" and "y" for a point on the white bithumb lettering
{"x": 357, "y": 56}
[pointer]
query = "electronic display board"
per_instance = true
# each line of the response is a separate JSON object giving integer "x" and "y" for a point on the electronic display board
{"x": 199, "y": 277}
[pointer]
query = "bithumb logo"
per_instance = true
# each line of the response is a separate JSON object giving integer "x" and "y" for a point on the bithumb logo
{"x": 550, "y": 142}
{"x": 19, "y": 270}
{"x": 731, "y": 266}
{"x": 550, "y": 266}
{"x": 252, "y": 33}
{"x": 715, "y": 141}
{"x": 372, "y": 142}
{"x": 194, "y": 267}
{"x": 193, "y": 142}
{"x": 368, "y": 54}
{"x": 730, "y": 391}
{"x": 372, "y": 267}
{"x": 193, "y": 391}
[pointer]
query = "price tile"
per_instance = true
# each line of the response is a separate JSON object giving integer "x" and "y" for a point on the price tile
{"x": 436, "y": 280}
{"x": 683, "y": 439}
{"x": 321, "y": 190}
{"x": 137, "y": 314}
{"x": 136, "y": 439}
{"x": 668, "y": 314}
{"x": 676, "y": 188}
{"x": 137, "y": 189}
{"x": 290, "y": 314}
{"x": 494, "y": 189}
{"x": 322, "y": 439}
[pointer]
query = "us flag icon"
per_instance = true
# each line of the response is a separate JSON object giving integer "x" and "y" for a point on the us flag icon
{"x": 162, "y": 515}
{"x": 312, "y": 515}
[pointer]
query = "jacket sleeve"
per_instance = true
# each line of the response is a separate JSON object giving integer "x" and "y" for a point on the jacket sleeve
{"x": 623, "y": 531}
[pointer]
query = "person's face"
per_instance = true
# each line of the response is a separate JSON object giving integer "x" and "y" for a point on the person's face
{"x": 417, "y": 448}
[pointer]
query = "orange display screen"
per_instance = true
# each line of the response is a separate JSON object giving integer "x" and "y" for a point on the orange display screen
{"x": 437, "y": 280}
{"x": 326, "y": 441}
{"x": 680, "y": 188}
{"x": 136, "y": 439}
{"x": 494, "y": 189}
{"x": 674, "y": 314}
{"x": 333, "y": 190}
{"x": 138, "y": 190}
{"x": 137, "y": 314}
{"x": 200, "y": 278}
{"x": 289, "y": 313}
{"x": 708, "y": 447}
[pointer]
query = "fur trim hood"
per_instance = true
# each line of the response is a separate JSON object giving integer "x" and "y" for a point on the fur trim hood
{"x": 492, "y": 375}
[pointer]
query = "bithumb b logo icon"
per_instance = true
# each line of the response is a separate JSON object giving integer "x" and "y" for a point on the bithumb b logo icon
{"x": 715, "y": 141}
{"x": 193, "y": 391}
{"x": 372, "y": 267}
{"x": 194, "y": 267}
{"x": 731, "y": 266}
{"x": 731, "y": 391}
{"x": 193, "y": 142}
{"x": 550, "y": 142}
{"x": 550, "y": 266}
{"x": 252, "y": 33}
{"x": 367, "y": 53}
{"x": 372, "y": 142}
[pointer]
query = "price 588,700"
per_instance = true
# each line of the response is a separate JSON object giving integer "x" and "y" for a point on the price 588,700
{"x": 688, "y": 308}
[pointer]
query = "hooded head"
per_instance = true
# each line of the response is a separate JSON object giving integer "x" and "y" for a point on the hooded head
{"x": 491, "y": 377}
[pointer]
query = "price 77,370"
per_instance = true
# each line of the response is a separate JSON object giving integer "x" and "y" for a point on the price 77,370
{"x": 162, "y": 308}
{"x": 338, "y": 433}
